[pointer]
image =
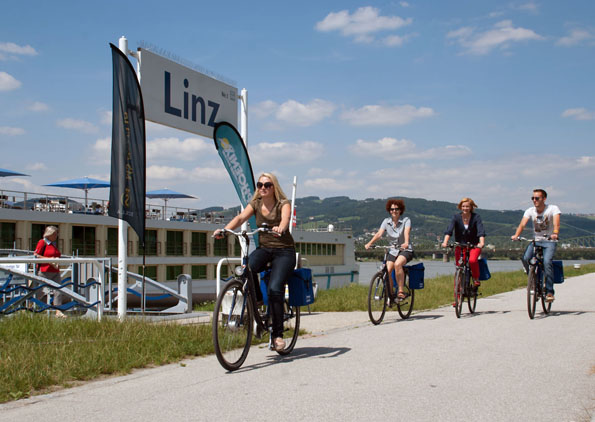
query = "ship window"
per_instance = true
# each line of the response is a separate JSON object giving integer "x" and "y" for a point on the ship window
{"x": 199, "y": 244}
{"x": 199, "y": 272}
{"x": 220, "y": 247}
{"x": 83, "y": 240}
{"x": 150, "y": 243}
{"x": 150, "y": 271}
{"x": 112, "y": 241}
{"x": 36, "y": 235}
{"x": 7, "y": 235}
{"x": 333, "y": 249}
{"x": 173, "y": 271}
{"x": 174, "y": 245}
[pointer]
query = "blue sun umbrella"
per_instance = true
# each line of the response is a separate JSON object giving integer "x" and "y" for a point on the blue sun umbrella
{"x": 8, "y": 173}
{"x": 166, "y": 194}
{"x": 84, "y": 183}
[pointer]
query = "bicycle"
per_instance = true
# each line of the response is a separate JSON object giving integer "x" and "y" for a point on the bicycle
{"x": 536, "y": 281}
{"x": 463, "y": 287}
{"x": 237, "y": 315}
{"x": 378, "y": 294}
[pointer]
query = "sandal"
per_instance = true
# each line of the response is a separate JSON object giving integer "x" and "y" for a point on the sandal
{"x": 401, "y": 296}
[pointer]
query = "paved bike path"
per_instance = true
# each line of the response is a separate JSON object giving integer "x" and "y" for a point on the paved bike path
{"x": 496, "y": 365}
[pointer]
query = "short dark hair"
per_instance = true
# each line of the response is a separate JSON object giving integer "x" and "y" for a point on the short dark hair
{"x": 544, "y": 193}
{"x": 398, "y": 202}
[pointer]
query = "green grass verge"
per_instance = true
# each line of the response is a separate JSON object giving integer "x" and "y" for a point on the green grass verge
{"x": 38, "y": 353}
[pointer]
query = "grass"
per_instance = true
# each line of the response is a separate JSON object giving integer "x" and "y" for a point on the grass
{"x": 38, "y": 353}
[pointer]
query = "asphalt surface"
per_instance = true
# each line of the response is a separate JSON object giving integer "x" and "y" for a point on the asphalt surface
{"x": 495, "y": 365}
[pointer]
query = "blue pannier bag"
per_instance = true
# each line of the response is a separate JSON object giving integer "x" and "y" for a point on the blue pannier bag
{"x": 301, "y": 290}
{"x": 484, "y": 271}
{"x": 416, "y": 276}
{"x": 558, "y": 272}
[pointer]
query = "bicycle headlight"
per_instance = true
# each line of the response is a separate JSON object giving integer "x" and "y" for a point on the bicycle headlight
{"x": 239, "y": 270}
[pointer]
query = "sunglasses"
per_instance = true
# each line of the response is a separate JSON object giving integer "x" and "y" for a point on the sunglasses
{"x": 266, "y": 185}
{"x": 536, "y": 198}
{"x": 394, "y": 209}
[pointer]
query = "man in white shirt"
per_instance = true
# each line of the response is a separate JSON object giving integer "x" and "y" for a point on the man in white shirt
{"x": 546, "y": 226}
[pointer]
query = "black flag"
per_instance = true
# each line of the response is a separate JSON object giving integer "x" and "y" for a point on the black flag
{"x": 128, "y": 182}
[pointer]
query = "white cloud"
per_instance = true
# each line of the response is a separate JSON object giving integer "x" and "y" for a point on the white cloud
{"x": 385, "y": 116}
{"x": 11, "y": 131}
{"x": 575, "y": 37}
{"x": 294, "y": 113}
{"x": 585, "y": 161}
{"x": 174, "y": 174}
{"x": 579, "y": 114}
{"x": 38, "y": 106}
{"x": 394, "y": 149}
{"x": 404, "y": 4}
{"x": 12, "y": 48}
{"x": 8, "y": 82}
{"x": 393, "y": 40}
{"x": 166, "y": 173}
{"x": 106, "y": 117}
{"x": 173, "y": 148}
{"x": 209, "y": 174}
{"x": 36, "y": 166}
{"x": 102, "y": 151}
{"x": 330, "y": 184}
{"x": 78, "y": 125}
{"x": 360, "y": 25}
{"x": 267, "y": 152}
{"x": 502, "y": 35}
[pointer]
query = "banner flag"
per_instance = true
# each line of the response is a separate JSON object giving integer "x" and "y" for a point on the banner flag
{"x": 232, "y": 151}
{"x": 128, "y": 178}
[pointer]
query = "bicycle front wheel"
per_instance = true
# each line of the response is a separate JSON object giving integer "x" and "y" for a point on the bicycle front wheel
{"x": 291, "y": 327}
{"x": 232, "y": 325}
{"x": 377, "y": 296}
{"x": 459, "y": 299}
{"x": 547, "y": 306}
{"x": 405, "y": 306}
{"x": 472, "y": 298}
{"x": 531, "y": 291}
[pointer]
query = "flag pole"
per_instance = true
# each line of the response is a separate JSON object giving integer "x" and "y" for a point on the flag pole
{"x": 244, "y": 133}
{"x": 293, "y": 216}
{"x": 122, "y": 239}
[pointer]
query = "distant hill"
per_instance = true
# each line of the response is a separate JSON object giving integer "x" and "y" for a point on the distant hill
{"x": 429, "y": 218}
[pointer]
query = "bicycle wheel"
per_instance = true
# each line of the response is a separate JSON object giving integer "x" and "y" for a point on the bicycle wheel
{"x": 547, "y": 306}
{"x": 232, "y": 325}
{"x": 291, "y": 327}
{"x": 377, "y": 297}
{"x": 459, "y": 276}
{"x": 472, "y": 296}
{"x": 405, "y": 306}
{"x": 531, "y": 291}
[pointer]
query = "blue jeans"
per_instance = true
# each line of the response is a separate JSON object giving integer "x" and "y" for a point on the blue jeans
{"x": 282, "y": 264}
{"x": 549, "y": 248}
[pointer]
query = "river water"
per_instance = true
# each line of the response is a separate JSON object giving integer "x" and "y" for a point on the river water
{"x": 436, "y": 268}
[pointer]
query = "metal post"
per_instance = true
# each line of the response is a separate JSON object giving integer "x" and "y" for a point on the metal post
{"x": 292, "y": 204}
{"x": 244, "y": 133}
{"x": 122, "y": 239}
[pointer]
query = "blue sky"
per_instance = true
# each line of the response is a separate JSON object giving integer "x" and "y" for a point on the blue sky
{"x": 428, "y": 99}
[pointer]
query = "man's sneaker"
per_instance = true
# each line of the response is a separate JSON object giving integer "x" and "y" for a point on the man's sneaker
{"x": 549, "y": 297}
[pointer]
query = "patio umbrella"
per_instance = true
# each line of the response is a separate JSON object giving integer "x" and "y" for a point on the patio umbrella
{"x": 84, "y": 183}
{"x": 7, "y": 173}
{"x": 166, "y": 194}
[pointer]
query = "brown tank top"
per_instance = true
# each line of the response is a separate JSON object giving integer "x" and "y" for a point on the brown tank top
{"x": 267, "y": 240}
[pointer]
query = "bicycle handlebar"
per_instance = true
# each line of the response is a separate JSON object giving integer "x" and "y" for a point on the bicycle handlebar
{"x": 464, "y": 245}
{"x": 518, "y": 239}
{"x": 245, "y": 233}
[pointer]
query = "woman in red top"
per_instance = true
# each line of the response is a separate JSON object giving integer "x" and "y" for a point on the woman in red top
{"x": 47, "y": 248}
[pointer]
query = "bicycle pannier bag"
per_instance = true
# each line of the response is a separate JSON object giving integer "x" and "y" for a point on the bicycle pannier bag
{"x": 558, "y": 272}
{"x": 416, "y": 276}
{"x": 301, "y": 290}
{"x": 484, "y": 271}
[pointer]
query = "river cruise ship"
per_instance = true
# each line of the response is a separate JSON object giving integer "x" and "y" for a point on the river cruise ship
{"x": 178, "y": 240}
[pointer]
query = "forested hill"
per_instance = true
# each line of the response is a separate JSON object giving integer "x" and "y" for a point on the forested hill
{"x": 429, "y": 218}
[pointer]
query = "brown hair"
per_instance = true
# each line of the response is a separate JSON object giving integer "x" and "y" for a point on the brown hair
{"x": 544, "y": 193}
{"x": 471, "y": 202}
{"x": 398, "y": 202}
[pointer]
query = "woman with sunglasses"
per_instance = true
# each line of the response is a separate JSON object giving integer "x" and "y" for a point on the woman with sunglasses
{"x": 398, "y": 229}
{"x": 270, "y": 205}
{"x": 468, "y": 228}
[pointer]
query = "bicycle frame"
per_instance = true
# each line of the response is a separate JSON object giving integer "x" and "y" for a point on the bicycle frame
{"x": 466, "y": 289}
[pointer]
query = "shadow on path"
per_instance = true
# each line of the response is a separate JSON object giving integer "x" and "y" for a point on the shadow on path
{"x": 298, "y": 353}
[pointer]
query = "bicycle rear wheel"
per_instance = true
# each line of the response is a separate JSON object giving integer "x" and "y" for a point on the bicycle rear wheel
{"x": 471, "y": 293}
{"x": 547, "y": 306}
{"x": 532, "y": 291}
{"x": 291, "y": 326}
{"x": 405, "y": 306}
{"x": 459, "y": 299}
{"x": 377, "y": 297}
{"x": 232, "y": 325}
